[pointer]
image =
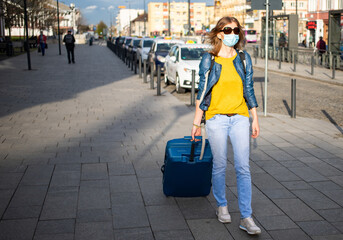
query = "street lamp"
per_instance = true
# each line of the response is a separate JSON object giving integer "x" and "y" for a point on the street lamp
{"x": 129, "y": 14}
{"x": 58, "y": 28}
{"x": 27, "y": 37}
{"x": 72, "y": 7}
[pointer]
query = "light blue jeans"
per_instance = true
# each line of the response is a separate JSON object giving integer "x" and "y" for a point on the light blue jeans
{"x": 218, "y": 128}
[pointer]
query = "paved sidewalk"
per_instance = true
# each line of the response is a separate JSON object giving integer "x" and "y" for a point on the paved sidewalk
{"x": 81, "y": 147}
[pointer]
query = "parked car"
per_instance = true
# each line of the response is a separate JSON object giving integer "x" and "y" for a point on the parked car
{"x": 159, "y": 50}
{"x": 181, "y": 60}
{"x": 144, "y": 48}
{"x": 127, "y": 42}
{"x": 133, "y": 45}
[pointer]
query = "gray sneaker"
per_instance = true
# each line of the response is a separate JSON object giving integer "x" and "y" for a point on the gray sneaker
{"x": 248, "y": 225}
{"x": 223, "y": 215}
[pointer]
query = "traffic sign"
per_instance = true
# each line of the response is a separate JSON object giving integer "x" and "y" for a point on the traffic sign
{"x": 261, "y": 5}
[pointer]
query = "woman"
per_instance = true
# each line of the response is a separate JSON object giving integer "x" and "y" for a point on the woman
{"x": 226, "y": 99}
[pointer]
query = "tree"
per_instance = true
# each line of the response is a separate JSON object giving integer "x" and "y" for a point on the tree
{"x": 10, "y": 12}
{"x": 101, "y": 27}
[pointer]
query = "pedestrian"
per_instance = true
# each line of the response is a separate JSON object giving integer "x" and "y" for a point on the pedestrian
{"x": 69, "y": 41}
{"x": 321, "y": 48}
{"x": 41, "y": 41}
{"x": 226, "y": 100}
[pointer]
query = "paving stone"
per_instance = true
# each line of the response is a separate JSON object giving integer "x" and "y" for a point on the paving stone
{"x": 60, "y": 203}
{"x": 196, "y": 208}
{"x": 22, "y": 212}
{"x": 173, "y": 234}
{"x": 326, "y": 186}
{"x": 315, "y": 199}
{"x": 278, "y": 193}
{"x": 127, "y": 183}
{"x": 276, "y": 222}
{"x": 120, "y": 167}
{"x": 328, "y": 237}
{"x": 297, "y": 210}
{"x": 338, "y": 225}
{"x": 10, "y": 180}
{"x": 332, "y": 215}
{"x": 5, "y": 198}
{"x": 281, "y": 173}
{"x": 318, "y": 228}
{"x": 297, "y": 185}
{"x": 95, "y": 171}
{"x": 265, "y": 181}
{"x": 94, "y": 194}
{"x": 335, "y": 195}
{"x": 289, "y": 234}
{"x": 147, "y": 169}
{"x": 208, "y": 229}
{"x": 66, "y": 236}
{"x": 152, "y": 192}
{"x": 55, "y": 226}
{"x": 94, "y": 215}
{"x": 29, "y": 196}
{"x": 171, "y": 219}
{"x": 37, "y": 175}
{"x": 94, "y": 230}
{"x": 20, "y": 229}
{"x": 338, "y": 180}
{"x": 279, "y": 155}
{"x": 127, "y": 198}
{"x": 308, "y": 174}
{"x": 129, "y": 216}
{"x": 134, "y": 234}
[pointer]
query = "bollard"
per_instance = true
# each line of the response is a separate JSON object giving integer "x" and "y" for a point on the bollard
{"x": 145, "y": 80}
{"x": 135, "y": 62}
{"x": 140, "y": 67}
{"x": 280, "y": 56}
{"x": 312, "y": 65}
{"x": 158, "y": 80}
{"x": 333, "y": 67}
{"x": 294, "y": 61}
{"x": 293, "y": 98}
{"x": 193, "y": 89}
{"x": 132, "y": 60}
{"x": 151, "y": 75}
{"x": 256, "y": 53}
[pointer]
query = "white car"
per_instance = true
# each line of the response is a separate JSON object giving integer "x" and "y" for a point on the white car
{"x": 144, "y": 48}
{"x": 181, "y": 60}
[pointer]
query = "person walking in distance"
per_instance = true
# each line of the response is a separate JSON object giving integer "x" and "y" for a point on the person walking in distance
{"x": 226, "y": 97}
{"x": 41, "y": 40}
{"x": 69, "y": 41}
{"x": 321, "y": 47}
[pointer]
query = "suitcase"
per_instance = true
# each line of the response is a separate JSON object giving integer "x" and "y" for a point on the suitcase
{"x": 184, "y": 174}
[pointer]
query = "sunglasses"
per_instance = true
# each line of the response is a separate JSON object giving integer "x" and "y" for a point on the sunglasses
{"x": 228, "y": 30}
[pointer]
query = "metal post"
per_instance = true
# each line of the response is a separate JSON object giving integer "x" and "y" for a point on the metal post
{"x": 333, "y": 67}
{"x": 131, "y": 57}
{"x": 58, "y": 28}
{"x": 293, "y": 97}
{"x": 159, "y": 80}
{"x": 294, "y": 61}
{"x": 145, "y": 80}
{"x": 266, "y": 60}
{"x": 140, "y": 67}
{"x": 189, "y": 17}
{"x": 280, "y": 57}
{"x": 312, "y": 64}
{"x": 27, "y": 37}
{"x": 151, "y": 75}
{"x": 193, "y": 89}
{"x": 135, "y": 62}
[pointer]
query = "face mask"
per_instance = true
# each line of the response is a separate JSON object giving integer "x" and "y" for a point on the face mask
{"x": 230, "y": 40}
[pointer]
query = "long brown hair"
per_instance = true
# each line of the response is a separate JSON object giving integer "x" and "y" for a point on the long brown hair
{"x": 216, "y": 42}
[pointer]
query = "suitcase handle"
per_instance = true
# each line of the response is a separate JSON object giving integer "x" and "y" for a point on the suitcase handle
{"x": 191, "y": 157}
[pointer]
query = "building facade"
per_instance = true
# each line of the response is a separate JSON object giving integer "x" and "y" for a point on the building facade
{"x": 124, "y": 18}
{"x": 159, "y": 18}
{"x": 139, "y": 25}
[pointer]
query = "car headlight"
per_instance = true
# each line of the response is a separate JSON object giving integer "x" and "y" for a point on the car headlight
{"x": 161, "y": 59}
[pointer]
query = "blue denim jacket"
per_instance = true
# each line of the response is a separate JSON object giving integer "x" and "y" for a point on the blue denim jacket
{"x": 248, "y": 83}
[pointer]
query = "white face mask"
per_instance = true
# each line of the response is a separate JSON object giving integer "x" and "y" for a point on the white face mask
{"x": 230, "y": 40}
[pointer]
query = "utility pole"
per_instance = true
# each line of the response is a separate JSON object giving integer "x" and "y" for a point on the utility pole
{"x": 27, "y": 37}
{"x": 169, "y": 18}
{"x": 58, "y": 28}
{"x": 189, "y": 17}
{"x": 144, "y": 19}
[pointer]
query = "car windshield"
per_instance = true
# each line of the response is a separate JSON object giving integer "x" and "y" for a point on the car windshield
{"x": 148, "y": 43}
{"x": 121, "y": 40}
{"x": 192, "y": 53}
{"x": 127, "y": 41}
{"x": 136, "y": 42}
{"x": 163, "y": 47}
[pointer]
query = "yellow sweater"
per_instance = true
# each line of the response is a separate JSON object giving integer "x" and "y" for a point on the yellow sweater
{"x": 227, "y": 93}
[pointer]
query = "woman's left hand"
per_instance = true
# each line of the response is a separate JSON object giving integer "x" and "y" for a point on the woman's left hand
{"x": 255, "y": 127}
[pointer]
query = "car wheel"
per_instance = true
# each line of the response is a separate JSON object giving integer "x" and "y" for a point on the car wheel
{"x": 178, "y": 87}
{"x": 166, "y": 81}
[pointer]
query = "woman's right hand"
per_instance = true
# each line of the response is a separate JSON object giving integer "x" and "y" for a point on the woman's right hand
{"x": 196, "y": 131}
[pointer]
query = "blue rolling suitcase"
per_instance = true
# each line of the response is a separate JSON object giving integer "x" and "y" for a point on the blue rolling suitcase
{"x": 184, "y": 173}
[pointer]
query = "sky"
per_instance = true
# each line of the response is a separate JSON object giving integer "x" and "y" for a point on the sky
{"x": 95, "y": 11}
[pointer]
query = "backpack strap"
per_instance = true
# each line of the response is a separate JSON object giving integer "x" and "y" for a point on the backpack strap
{"x": 242, "y": 56}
